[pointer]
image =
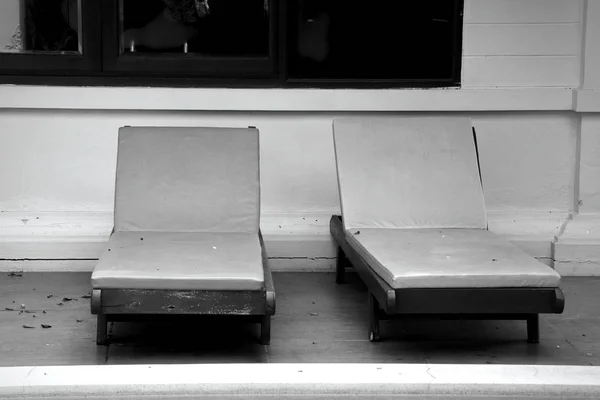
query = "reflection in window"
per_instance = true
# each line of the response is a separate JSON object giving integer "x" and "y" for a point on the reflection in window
{"x": 208, "y": 27}
{"x": 375, "y": 39}
{"x": 40, "y": 25}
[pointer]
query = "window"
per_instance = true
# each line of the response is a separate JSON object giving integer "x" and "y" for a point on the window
{"x": 59, "y": 37}
{"x": 274, "y": 43}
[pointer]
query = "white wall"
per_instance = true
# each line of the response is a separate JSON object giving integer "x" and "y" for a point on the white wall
{"x": 65, "y": 160}
{"x": 522, "y": 43}
{"x": 58, "y": 145}
{"x": 62, "y": 165}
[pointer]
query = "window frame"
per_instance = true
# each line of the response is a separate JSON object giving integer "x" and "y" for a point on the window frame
{"x": 101, "y": 65}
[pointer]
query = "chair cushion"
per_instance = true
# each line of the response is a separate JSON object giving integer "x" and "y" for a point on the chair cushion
{"x": 180, "y": 261}
{"x": 448, "y": 258}
{"x": 187, "y": 180}
{"x": 409, "y": 172}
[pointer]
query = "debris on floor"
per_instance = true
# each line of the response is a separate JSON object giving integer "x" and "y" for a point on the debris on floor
{"x": 49, "y": 296}
{"x": 65, "y": 299}
{"x": 86, "y": 296}
{"x": 28, "y": 327}
{"x": 15, "y": 273}
{"x": 46, "y": 326}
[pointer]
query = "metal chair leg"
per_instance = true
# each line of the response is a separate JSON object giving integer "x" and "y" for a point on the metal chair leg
{"x": 102, "y": 330}
{"x": 373, "y": 319}
{"x": 340, "y": 266}
{"x": 533, "y": 328}
{"x": 265, "y": 330}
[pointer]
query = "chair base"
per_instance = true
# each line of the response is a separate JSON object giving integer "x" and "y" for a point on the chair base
{"x": 112, "y": 304}
{"x": 376, "y": 314}
{"x": 103, "y": 338}
{"x": 386, "y": 302}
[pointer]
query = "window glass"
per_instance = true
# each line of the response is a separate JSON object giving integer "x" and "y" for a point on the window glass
{"x": 29, "y": 26}
{"x": 376, "y": 39}
{"x": 223, "y": 28}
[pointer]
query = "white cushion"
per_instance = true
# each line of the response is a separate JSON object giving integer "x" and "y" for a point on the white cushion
{"x": 187, "y": 180}
{"x": 409, "y": 172}
{"x": 180, "y": 261}
{"x": 448, "y": 258}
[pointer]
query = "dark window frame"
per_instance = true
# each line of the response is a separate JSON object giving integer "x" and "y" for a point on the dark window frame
{"x": 101, "y": 65}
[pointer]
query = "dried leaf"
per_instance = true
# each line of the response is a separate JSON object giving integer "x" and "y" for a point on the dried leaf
{"x": 30, "y": 311}
{"x": 314, "y": 314}
{"x": 28, "y": 327}
{"x": 10, "y": 309}
{"x": 15, "y": 273}
{"x": 46, "y": 326}
{"x": 49, "y": 296}
{"x": 79, "y": 320}
{"x": 68, "y": 299}
{"x": 59, "y": 304}
{"x": 44, "y": 312}
{"x": 86, "y": 296}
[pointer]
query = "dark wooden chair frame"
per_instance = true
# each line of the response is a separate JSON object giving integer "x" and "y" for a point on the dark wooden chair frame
{"x": 121, "y": 304}
{"x": 386, "y": 302}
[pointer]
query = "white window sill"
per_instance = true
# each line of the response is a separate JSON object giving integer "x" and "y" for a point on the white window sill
{"x": 288, "y": 100}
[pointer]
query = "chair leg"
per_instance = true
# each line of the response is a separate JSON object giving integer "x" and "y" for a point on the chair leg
{"x": 533, "y": 328}
{"x": 373, "y": 319}
{"x": 340, "y": 266}
{"x": 265, "y": 330}
{"x": 102, "y": 330}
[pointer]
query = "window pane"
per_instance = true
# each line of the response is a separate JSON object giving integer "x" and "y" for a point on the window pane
{"x": 223, "y": 28}
{"x": 40, "y": 26}
{"x": 375, "y": 39}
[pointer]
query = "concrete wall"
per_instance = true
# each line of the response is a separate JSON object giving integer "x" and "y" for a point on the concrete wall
{"x": 528, "y": 84}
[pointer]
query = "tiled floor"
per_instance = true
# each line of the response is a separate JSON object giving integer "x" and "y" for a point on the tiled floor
{"x": 316, "y": 321}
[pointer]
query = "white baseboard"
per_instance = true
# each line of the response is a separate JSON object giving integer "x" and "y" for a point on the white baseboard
{"x": 47, "y": 265}
{"x": 71, "y": 241}
{"x": 534, "y": 233}
{"x": 577, "y": 250}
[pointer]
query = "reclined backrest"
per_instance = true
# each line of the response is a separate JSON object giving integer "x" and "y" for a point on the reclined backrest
{"x": 408, "y": 172}
{"x": 187, "y": 180}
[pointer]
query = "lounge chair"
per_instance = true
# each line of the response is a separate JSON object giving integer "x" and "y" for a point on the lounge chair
{"x": 414, "y": 227}
{"x": 186, "y": 237}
